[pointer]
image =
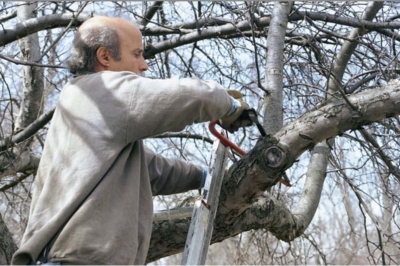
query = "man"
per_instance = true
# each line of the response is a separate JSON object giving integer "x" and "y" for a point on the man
{"x": 92, "y": 202}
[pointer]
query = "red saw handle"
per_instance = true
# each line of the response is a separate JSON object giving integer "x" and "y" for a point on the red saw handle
{"x": 224, "y": 140}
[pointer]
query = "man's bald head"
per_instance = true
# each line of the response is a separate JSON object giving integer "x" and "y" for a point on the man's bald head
{"x": 100, "y": 21}
{"x": 99, "y": 32}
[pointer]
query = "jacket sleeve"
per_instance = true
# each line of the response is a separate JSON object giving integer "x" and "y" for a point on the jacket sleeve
{"x": 157, "y": 106}
{"x": 170, "y": 176}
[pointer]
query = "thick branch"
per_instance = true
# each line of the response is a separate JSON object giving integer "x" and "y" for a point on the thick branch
{"x": 337, "y": 117}
{"x": 348, "y": 48}
{"x": 37, "y": 24}
{"x": 32, "y": 101}
{"x": 194, "y": 36}
{"x": 312, "y": 190}
{"x": 273, "y": 112}
{"x": 168, "y": 237}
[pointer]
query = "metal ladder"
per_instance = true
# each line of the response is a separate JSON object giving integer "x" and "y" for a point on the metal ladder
{"x": 201, "y": 226}
{"x": 203, "y": 213}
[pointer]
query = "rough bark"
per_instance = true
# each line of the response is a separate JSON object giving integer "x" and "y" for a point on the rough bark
{"x": 336, "y": 117}
{"x": 32, "y": 101}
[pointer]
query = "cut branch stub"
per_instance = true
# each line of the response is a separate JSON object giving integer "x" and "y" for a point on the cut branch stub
{"x": 274, "y": 157}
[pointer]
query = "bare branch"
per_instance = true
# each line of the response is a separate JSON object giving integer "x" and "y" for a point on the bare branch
{"x": 28, "y": 63}
{"x": 37, "y": 24}
{"x": 8, "y": 16}
{"x": 345, "y": 21}
{"x": 151, "y": 11}
{"x": 184, "y": 136}
{"x": 385, "y": 158}
{"x": 28, "y": 132}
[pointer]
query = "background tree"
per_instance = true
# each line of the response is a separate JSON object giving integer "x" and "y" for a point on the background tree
{"x": 322, "y": 76}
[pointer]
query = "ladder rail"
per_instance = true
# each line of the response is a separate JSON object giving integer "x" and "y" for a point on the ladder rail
{"x": 201, "y": 226}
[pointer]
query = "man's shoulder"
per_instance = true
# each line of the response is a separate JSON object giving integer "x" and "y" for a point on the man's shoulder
{"x": 116, "y": 74}
{"x": 105, "y": 75}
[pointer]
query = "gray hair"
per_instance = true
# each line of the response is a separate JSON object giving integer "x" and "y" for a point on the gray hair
{"x": 84, "y": 48}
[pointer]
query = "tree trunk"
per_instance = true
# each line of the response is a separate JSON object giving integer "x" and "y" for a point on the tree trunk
{"x": 30, "y": 110}
{"x": 32, "y": 102}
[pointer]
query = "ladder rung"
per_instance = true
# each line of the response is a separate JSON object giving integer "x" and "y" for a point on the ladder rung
{"x": 181, "y": 213}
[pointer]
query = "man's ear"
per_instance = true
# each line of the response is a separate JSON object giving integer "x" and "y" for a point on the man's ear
{"x": 103, "y": 57}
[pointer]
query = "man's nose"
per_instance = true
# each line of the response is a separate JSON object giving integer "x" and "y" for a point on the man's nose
{"x": 144, "y": 66}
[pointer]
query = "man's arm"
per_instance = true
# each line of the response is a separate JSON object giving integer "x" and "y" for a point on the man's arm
{"x": 170, "y": 176}
{"x": 159, "y": 106}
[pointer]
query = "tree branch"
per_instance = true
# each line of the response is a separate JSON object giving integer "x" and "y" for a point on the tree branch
{"x": 37, "y": 24}
{"x": 273, "y": 99}
{"x": 8, "y": 16}
{"x": 28, "y": 132}
{"x": 312, "y": 190}
{"x": 184, "y": 136}
{"x": 385, "y": 158}
{"x": 345, "y": 21}
{"x": 28, "y": 63}
{"x": 337, "y": 117}
{"x": 151, "y": 11}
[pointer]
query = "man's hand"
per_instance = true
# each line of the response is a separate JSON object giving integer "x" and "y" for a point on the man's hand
{"x": 233, "y": 121}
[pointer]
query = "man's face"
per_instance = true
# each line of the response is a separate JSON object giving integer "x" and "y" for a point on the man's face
{"x": 131, "y": 51}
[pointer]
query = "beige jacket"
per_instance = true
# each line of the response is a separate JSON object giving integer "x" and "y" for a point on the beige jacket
{"x": 92, "y": 201}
